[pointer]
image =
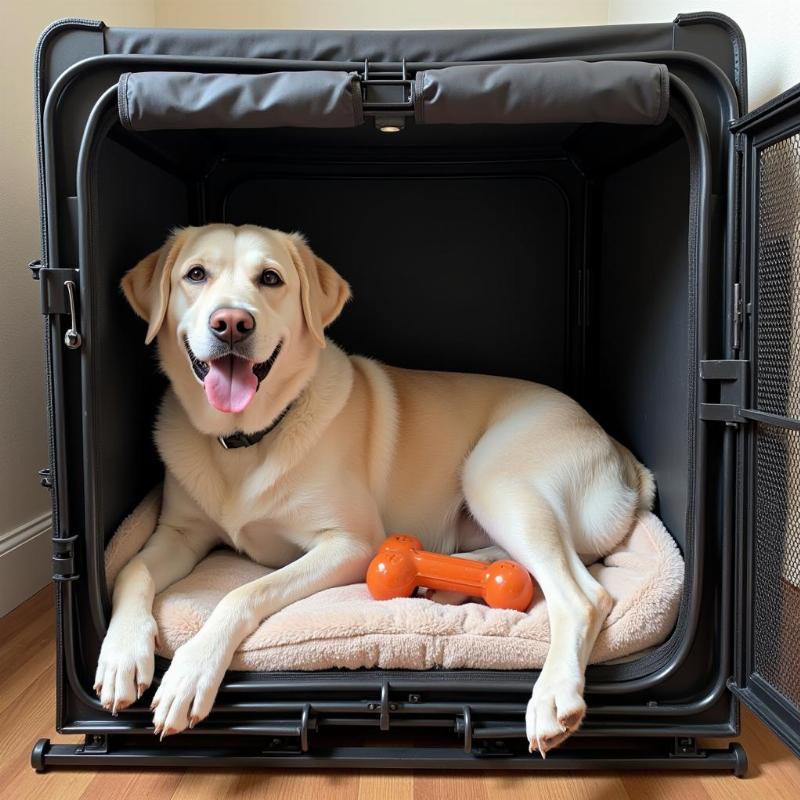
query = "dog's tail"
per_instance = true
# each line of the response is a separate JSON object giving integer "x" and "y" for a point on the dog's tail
{"x": 638, "y": 477}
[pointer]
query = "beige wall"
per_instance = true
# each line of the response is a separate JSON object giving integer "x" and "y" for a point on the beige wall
{"x": 369, "y": 14}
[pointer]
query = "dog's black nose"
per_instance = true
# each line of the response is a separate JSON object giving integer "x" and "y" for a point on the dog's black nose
{"x": 231, "y": 325}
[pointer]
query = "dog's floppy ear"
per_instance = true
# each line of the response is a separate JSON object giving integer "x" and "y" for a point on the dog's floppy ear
{"x": 147, "y": 285}
{"x": 323, "y": 290}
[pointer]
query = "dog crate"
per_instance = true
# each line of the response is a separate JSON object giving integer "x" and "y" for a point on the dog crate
{"x": 583, "y": 207}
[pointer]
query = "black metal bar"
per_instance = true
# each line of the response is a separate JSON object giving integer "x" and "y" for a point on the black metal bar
{"x": 466, "y": 724}
{"x": 99, "y": 120}
{"x": 45, "y": 755}
{"x": 770, "y": 419}
{"x": 488, "y": 729}
{"x": 384, "y": 707}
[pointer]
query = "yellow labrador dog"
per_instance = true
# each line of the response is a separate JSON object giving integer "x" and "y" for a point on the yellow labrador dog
{"x": 280, "y": 445}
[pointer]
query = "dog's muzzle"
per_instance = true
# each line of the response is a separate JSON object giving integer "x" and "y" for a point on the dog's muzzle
{"x": 231, "y": 379}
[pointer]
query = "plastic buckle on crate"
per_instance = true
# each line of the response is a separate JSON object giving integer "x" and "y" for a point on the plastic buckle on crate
{"x": 64, "y": 558}
{"x": 388, "y": 96}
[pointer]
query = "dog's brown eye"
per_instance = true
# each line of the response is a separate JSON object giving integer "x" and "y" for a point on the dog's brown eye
{"x": 270, "y": 278}
{"x": 196, "y": 274}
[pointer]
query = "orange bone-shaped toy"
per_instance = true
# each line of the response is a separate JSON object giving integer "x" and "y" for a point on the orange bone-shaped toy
{"x": 402, "y": 565}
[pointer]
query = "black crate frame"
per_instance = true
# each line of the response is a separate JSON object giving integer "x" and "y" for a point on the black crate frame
{"x": 489, "y": 731}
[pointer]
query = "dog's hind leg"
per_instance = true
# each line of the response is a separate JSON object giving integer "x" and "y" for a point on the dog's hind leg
{"x": 527, "y": 528}
{"x": 516, "y": 509}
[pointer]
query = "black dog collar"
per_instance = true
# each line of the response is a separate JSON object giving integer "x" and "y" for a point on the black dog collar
{"x": 240, "y": 439}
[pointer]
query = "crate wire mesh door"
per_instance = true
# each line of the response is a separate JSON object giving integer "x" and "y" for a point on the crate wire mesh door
{"x": 776, "y": 590}
{"x": 771, "y": 589}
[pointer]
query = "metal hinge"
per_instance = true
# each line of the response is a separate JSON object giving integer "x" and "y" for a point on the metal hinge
{"x": 732, "y": 376}
{"x": 45, "y": 478}
{"x": 58, "y": 290}
{"x": 738, "y": 315}
{"x": 64, "y": 558}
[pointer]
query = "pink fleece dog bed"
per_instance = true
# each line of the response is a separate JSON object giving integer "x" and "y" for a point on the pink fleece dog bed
{"x": 345, "y": 627}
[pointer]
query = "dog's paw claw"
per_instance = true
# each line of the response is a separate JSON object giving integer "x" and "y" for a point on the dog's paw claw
{"x": 542, "y": 751}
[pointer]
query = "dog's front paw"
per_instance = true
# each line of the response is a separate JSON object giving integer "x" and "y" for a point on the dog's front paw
{"x": 125, "y": 664}
{"x": 555, "y": 710}
{"x": 189, "y": 686}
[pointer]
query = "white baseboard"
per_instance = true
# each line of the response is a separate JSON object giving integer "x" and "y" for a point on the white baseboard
{"x": 25, "y": 562}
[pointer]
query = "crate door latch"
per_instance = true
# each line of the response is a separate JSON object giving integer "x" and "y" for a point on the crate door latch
{"x": 59, "y": 288}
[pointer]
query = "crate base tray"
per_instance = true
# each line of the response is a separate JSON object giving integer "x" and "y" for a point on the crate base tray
{"x": 659, "y": 755}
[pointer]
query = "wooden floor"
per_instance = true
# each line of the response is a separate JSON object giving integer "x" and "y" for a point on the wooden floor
{"x": 27, "y": 713}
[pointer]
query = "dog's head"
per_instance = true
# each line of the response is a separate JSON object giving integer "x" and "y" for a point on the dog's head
{"x": 235, "y": 310}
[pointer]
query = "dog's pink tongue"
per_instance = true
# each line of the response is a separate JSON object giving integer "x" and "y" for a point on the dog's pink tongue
{"x": 230, "y": 384}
